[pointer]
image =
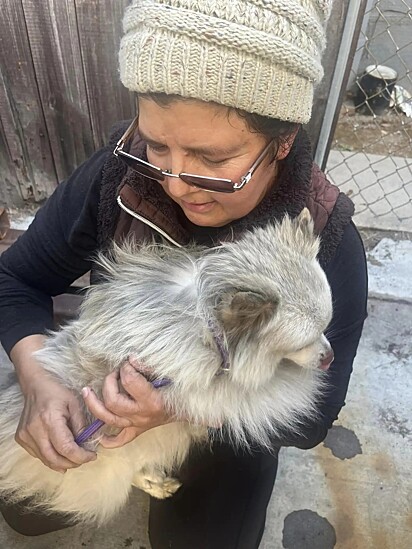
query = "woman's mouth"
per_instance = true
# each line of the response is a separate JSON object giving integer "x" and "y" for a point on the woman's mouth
{"x": 197, "y": 207}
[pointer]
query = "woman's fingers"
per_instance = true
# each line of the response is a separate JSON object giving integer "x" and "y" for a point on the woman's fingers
{"x": 41, "y": 448}
{"x": 62, "y": 440}
{"x": 53, "y": 444}
{"x": 99, "y": 410}
{"x": 52, "y": 458}
{"x": 124, "y": 437}
{"x": 141, "y": 399}
{"x": 129, "y": 402}
{"x": 114, "y": 398}
{"x": 140, "y": 390}
{"x": 51, "y": 416}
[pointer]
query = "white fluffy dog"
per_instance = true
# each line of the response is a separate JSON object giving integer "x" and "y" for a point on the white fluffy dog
{"x": 238, "y": 330}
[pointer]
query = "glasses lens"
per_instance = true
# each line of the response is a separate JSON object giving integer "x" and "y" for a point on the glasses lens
{"x": 139, "y": 167}
{"x": 209, "y": 184}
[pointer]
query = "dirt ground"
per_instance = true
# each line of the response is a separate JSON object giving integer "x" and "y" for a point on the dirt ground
{"x": 390, "y": 133}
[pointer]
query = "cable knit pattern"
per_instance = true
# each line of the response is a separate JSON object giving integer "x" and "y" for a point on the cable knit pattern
{"x": 262, "y": 56}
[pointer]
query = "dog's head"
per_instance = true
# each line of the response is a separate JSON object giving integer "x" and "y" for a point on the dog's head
{"x": 271, "y": 299}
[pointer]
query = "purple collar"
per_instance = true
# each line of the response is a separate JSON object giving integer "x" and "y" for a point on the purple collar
{"x": 221, "y": 345}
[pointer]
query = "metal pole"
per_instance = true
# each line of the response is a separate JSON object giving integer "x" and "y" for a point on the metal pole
{"x": 360, "y": 45}
{"x": 352, "y": 17}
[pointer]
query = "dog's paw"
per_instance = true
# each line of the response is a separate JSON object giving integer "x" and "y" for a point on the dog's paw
{"x": 157, "y": 485}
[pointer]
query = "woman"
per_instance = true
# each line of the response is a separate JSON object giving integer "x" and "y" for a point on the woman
{"x": 217, "y": 148}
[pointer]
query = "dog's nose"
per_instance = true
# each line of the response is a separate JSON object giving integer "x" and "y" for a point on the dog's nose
{"x": 326, "y": 360}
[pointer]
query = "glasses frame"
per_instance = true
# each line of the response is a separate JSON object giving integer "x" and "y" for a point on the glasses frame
{"x": 232, "y": 185}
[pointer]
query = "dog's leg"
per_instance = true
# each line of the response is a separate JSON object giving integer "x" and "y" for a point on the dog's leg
{"x": 160, "y": 451}
{"x": 156, "y": 483}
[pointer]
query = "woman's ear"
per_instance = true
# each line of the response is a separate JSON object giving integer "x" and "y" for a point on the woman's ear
{"x": 286, "y": 144}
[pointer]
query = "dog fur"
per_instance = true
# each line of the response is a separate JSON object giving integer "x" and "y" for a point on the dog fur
{"x": 270, "y": 301}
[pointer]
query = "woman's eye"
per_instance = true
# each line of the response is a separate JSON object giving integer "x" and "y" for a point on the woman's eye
{"x": 156, "y": 148}
{"x": 214, "y": 162}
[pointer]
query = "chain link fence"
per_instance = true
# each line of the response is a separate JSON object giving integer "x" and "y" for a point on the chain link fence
{"x": 371, "y": 155}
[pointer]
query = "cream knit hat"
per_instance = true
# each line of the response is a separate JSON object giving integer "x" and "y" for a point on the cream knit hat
{"x": 262, "y": 56}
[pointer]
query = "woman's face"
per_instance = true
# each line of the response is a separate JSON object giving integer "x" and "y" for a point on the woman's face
{"x": 205, "y": 139}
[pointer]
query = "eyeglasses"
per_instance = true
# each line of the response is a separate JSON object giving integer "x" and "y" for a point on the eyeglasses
{"x": 209, "y": 184}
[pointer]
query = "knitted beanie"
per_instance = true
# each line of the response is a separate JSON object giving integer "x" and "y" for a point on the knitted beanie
{"x": 261, "y": 56}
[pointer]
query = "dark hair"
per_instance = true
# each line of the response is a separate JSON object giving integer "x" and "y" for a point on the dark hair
{"x": 275, "y": 130}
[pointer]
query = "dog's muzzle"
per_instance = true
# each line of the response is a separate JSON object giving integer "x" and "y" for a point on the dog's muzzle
{"x": 327, "y": 360}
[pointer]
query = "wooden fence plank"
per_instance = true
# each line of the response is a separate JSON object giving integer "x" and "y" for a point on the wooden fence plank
{"x": 55, "y": 48}
{"x": 100, "y": 30}
{"x": 20, "y": 108}
{"x": 9, "y": 187}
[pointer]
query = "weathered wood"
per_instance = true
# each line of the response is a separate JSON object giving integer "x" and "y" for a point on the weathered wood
{"x": 4, "y": 223}
{"x": 9, "y": 187}
{"x": 21, "y": 113}
{"x": 55, "y": 48}
{"x": 100, "y": 30}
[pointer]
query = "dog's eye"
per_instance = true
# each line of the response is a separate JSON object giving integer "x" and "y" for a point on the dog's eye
{"x": 300, "y": 349}
{"x": 304, "y": 347}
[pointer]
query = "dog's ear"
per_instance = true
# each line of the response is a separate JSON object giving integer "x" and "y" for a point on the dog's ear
{"x": 305, "y": 221}
{"x": 243, "y": 311}
{"x": 304, "y": 233}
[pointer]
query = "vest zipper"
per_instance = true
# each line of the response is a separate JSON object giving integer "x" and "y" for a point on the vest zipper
{"x": 147, "y": 222}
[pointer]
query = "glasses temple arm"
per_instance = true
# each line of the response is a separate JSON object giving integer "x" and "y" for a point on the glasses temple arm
{"x": 248, "y": 176}
{"x": 128, "y": 133}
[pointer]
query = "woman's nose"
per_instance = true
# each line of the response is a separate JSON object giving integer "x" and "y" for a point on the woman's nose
{"x": 177, "y": 187}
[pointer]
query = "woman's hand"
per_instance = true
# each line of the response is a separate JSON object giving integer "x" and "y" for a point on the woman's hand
{"x": 135, "y": 412}
{"x": 50, "y": 416}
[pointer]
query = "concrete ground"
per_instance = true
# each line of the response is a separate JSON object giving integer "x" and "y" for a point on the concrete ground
{"x": 354, "y": 491}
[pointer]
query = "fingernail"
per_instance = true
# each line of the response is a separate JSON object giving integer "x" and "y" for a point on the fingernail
{"x": 85, "y": 392}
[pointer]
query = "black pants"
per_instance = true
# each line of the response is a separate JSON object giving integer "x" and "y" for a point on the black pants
{"x": 221, "y": 505}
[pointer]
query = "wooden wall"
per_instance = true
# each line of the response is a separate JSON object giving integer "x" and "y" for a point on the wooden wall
{"x": 59, "y": 90}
